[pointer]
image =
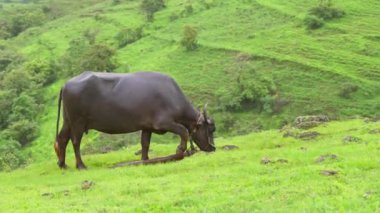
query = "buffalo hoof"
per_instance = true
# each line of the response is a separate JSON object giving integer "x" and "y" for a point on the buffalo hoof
{"x": 62, "y": 165}
{"x": 81, "y": 167}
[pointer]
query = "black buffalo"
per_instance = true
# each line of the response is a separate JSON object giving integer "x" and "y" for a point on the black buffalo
{"x": 122, "y": 103}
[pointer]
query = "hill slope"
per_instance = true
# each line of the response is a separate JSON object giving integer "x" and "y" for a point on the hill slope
{"x": 309, "y": 68}
{"x": 224, "y": 181}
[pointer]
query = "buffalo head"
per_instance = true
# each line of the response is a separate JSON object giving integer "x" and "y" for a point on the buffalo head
{"x": 203, "y": 134}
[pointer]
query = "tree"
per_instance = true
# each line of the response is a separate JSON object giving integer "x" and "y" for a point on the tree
{"x": 23, "y": 131}
{"x": 98, "y": 58}
{"x": 149, "y": 7}
{"x": 43, "y": 72}
{"x": 189, "y": 37}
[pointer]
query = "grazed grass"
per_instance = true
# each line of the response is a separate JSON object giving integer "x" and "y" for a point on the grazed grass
{"x": 223, "y": 181}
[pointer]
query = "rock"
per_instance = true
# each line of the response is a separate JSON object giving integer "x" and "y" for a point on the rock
{"x": 374, "y": 131}
{"x": 367, "y": 194}
{"x": 325, "y": 157}
{"x": 265, "y": 160}
{"x": 66, "y": 193}
{"x": 307, "y": 122}
{"x": 87, "y": 184}
{"x": 229, "y": 147}
{"x": 289, "y": 134}
{"x": 377, "y": 119}
{"x": 282, "y": 161}
{"x": 351, "y": 139}
{"x": 328, "y": 172}
{"x": 308, "y": 135}
{"x": 47, "y": 194}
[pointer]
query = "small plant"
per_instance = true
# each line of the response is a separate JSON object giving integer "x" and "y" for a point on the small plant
{"x": 189, "y": 37}
{"x": 313, "y": 22}
{"x": 173, "y": 17}
{"x": 326, "y": 11}
{"x": 347, "y": 89}
{"x": 323, "y": 12}
{"x": 128, "y": 36}
{"x": 149, "y": 7}
{"x": 98, "y": 58}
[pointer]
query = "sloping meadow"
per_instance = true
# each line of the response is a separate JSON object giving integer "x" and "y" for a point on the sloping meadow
{"x": 267, "y": 171}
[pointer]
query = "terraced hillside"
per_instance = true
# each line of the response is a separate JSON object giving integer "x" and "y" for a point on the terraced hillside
{"x": 309, "y": 68}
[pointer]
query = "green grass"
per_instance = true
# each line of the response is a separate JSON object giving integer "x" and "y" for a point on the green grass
{"x": 224, "y": 181}
{"x": 308, "y": 68}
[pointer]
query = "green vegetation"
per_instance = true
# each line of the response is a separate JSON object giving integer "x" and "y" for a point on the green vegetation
{"x": 268, "y": 173}
{"x": 257, "y": 63}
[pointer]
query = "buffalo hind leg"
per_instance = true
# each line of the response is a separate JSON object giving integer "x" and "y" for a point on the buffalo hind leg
{"x": 145, "y": 141}
{"x": 61, "y": 144}
{"x": 77, "y": 138}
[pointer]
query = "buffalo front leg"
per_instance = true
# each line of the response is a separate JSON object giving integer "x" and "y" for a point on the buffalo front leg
{"x": 145, "y": 141}
{"x": 180, "y": 130}
{"x": 76, "y": 144}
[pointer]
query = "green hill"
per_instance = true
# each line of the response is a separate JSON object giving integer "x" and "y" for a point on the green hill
{"x": 257, "y": 65}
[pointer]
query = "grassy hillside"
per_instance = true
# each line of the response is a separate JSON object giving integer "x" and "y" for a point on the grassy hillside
{"x": 224, "y": 181}
{"x": 309, "y": 68}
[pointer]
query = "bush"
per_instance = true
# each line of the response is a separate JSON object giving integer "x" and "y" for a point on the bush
{"x": 90, "y": 35}
{"x": 173, "y": 17}
{"x": 98, "y": 58}
{"x": 18, "y": 81}
{"x": 9, "y": 58}
{"x": 313, "y": 22}
{"x": 24, "y": 20}
{"x": 23, "y": 131}
{"x": 326, "y": 12}
{"x": 347, "y": 89}
{"x": 189, "y": 37}
{"x": 128, "y": 36}
{"x": 43, "y": 72}
{"x": 246, "y": 90}
{"x": 11, "y": 156}
{"x": 149, "y": 7}
{"x": 23, "y": 107}
{"x": 187, "y": 10}
{"x": 71, "y": 60}
{"x": 5, "y": 107}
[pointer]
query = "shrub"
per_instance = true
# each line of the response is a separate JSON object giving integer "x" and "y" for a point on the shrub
{"x": 90, "y": 35}
{"x": 9, "y": 58}
{"x": 42, "y": 71}
{"x": 347, "y": 89}
{"x": 23, "y": 131}
{"x": 11, "y": 156}
{"x": 18, "y": 81}
{"x": 71, "y": 60}
{"x": 24, "y": 107}
{"x": 23, "y": 20}
{"x": 173, "y": 17}
{"x": 326, "y": 12}
{"x": 313, "y": 22}
{"x": 149, "y": 7}
{"x": 5, "y": 107}
{"x": 98, "y": 58}
{"x": 187, "y": 10}
{"x": 128, "y": 36}
{"x": 189, "y": 37}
